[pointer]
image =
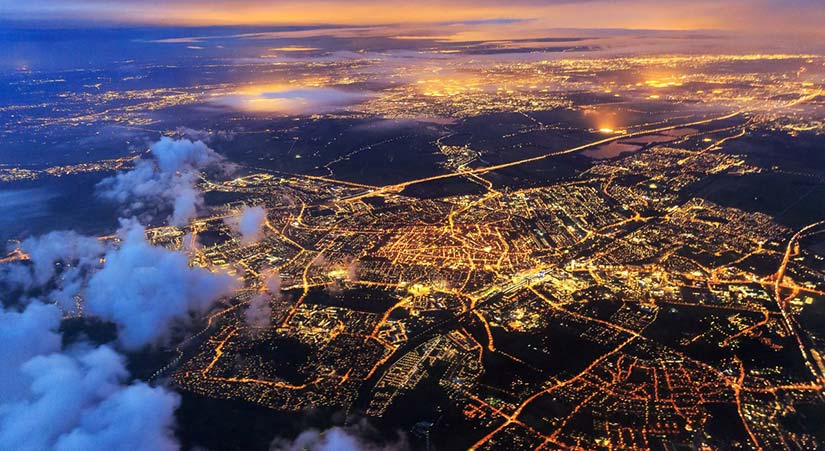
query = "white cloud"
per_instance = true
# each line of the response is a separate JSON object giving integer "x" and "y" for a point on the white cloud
{"x": 75, "y": 399}
{"x": 164, "y": 181}
{"x": 258, "y": 313}
{"x": 249, "y": 224}
{"x": 146, "y": 289}
{"x": 137, "y": 416}
{"x": 24, "y": 335}
{"x": 272, "y": 282}
{"x": 350, "y": 438}
{"x": 59, "y": 263}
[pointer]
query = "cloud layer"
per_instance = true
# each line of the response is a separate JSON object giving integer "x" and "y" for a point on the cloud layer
{"x": 60, "y": 263}
{"x": 258, "y": 313}
{"x": 145, "y": 289}
{"x": 164, "y": 181}
{"x": 249, "y": 224}
{"x": 357, "y": 437}
{"x": 290, "y": 100}
{"x": 81, "y": 398}
{"x": 75, "y": 399}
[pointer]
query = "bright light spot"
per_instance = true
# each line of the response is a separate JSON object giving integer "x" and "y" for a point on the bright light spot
{"x": 419, "y": 290}
{"x": 338, "y": 274}
{"x": 294, "y": 48}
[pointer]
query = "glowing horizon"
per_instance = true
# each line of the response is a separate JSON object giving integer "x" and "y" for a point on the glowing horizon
{"x": 755, "y": 15}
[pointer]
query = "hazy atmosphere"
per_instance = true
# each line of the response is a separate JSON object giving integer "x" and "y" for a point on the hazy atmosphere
{"x": 421, "y": 225}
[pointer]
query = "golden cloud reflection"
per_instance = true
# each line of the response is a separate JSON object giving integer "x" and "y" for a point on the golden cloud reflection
{"x": 289, "y": 99}
{"x": 606, "y": 120}
{"x": 294, "y": 48}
